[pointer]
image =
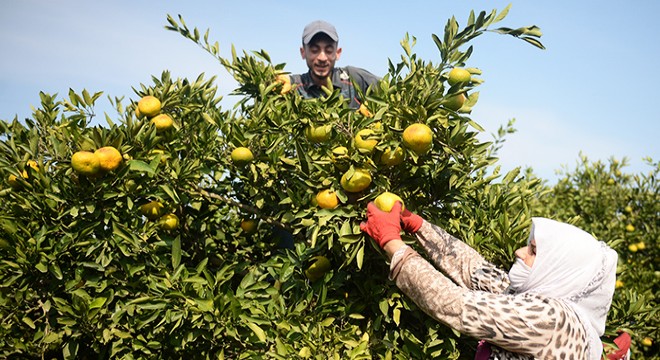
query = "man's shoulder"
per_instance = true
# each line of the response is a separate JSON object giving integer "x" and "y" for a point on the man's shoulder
{"x": 300, "y": 78}
{"x": 363, "y": 76}
{"x": 354, "y": 70}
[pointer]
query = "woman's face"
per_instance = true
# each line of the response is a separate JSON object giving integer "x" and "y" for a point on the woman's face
{"x": 527, "y": 253}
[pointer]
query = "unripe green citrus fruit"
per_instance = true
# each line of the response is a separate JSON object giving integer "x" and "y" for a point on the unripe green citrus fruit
{"x": 320, "y": 266}
{"x": 360, "y": 180}
{"x": 364, "y": 141}
{"x": 458, "y": 75}
{"x": 241, "y": 155}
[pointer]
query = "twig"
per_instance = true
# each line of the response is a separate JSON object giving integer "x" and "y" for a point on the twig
{"x": 247, "y": 208}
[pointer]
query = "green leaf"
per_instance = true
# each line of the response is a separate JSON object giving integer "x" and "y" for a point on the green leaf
{"x": 315, "y": 234}
{"x": 209, "y": 119}
{"x": 205, "y": 305}
{"x": 29, "y": 322}
{"x": 196, "y": 280}
{"x": 70, "y": 350}
{"x": 97, "y": 303}
{"x": 360, "y": 257}
{"x": 176, "y": 252}
{"x": 141, "y": 166}
{"x": 257, "y": 331}
{"x": 171, "y": 193}
{"x": 534, "y": 42}
{"x": 396, "y": 316}
{"x": 502, "y": 14}
{"x": 327, "y": 321}
{"x": 51, "y": 337}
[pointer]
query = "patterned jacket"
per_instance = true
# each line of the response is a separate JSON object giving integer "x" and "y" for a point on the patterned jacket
{"x": 472, "y": 296}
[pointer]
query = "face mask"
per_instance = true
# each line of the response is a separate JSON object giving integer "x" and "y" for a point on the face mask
{"x": 519, "y": 274}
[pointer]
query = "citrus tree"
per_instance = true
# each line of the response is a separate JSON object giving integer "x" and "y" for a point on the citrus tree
{"x": 621, "y": 209}
{"x": 235, "y": 233}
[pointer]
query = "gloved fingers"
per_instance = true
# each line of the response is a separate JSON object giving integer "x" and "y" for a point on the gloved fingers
{"x": 396, "y": 208}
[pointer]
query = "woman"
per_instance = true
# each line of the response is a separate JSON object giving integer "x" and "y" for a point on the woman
{"x": 552, "y": 304}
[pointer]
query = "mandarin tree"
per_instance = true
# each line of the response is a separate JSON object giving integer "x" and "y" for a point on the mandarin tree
{"x": 150, "y": 259}
{"x": 621, "y": 209}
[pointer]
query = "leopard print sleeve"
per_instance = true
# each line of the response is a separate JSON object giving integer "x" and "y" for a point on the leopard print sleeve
{"x": 464, "y": 265}
{"x": 516, "y": 325}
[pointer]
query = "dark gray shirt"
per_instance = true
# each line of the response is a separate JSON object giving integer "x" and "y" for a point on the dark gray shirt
{"x": 341, "y": 78}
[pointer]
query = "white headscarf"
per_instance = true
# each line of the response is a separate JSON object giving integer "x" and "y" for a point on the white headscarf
{"x": 571, "y": 265}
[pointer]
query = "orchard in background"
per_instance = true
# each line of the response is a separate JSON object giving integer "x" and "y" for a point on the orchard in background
{"x": 235, "y": 233}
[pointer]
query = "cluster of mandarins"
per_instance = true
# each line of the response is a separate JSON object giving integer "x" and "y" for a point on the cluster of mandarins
{"x": 108, "y": 158}
{"x": 416, "y": 137}
{"x": 150, "y": 107}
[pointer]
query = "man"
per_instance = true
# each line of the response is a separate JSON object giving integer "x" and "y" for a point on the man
{"x": 320, "y": 49}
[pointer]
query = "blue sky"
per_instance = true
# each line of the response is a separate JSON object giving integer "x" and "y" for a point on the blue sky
{"x": 592, "y": 91}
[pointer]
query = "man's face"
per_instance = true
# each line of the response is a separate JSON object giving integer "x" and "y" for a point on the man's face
{"x": 320, "y": 55}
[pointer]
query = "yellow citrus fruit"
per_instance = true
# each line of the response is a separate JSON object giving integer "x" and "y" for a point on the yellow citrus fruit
{"x": 168, "y": 222}
{"x": 162, "y": 122}
{"x": 327, "y": 199}
{"x": 418, "y": 138}
{"x": 249, "y": 226}
{"x": 392, "y": 158}
{"x": 339, "y": 152}
{"x": 340, "y": 157}
{"x": 86, "y": 163}
{"x": 455, "y": 102}
{"x": 152, "y": 210}
{"x": 319, "y": 267}
{"x": 148, "y": 106}
{"x": 318, "y": 134}
{"x": 633, "y": 247}
{"x": 241, "y": 155}
{"x": 458, "y": 75}
{"x": 305, "y": 353}
{"x": 33, "y": 164}
{"x": 619, "y": 284}
{"x": 13, "y": 181}
{"x": 628, "y": 209}
{"x": 286, "y": 83}
{"x": 365, "y": 111}
{"x": 163, "y": 155}
{"x": 109, "y": 158}
{"x": 364, "y": 140}
{"x": 641, "y": 245}
{"x": 630, "y": 228}
{"x": 377, "y": 125}
{"x": 647, "y": 341}
{"x": 358, "y": 181}
{"x": 386, "y": 200}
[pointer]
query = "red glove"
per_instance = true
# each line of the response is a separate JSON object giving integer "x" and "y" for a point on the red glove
{"x": 411, "y": 222}
{"x": 383, "y": 226}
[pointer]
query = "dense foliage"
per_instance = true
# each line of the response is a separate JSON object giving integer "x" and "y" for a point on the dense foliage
{"x": 85, "y": 274}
